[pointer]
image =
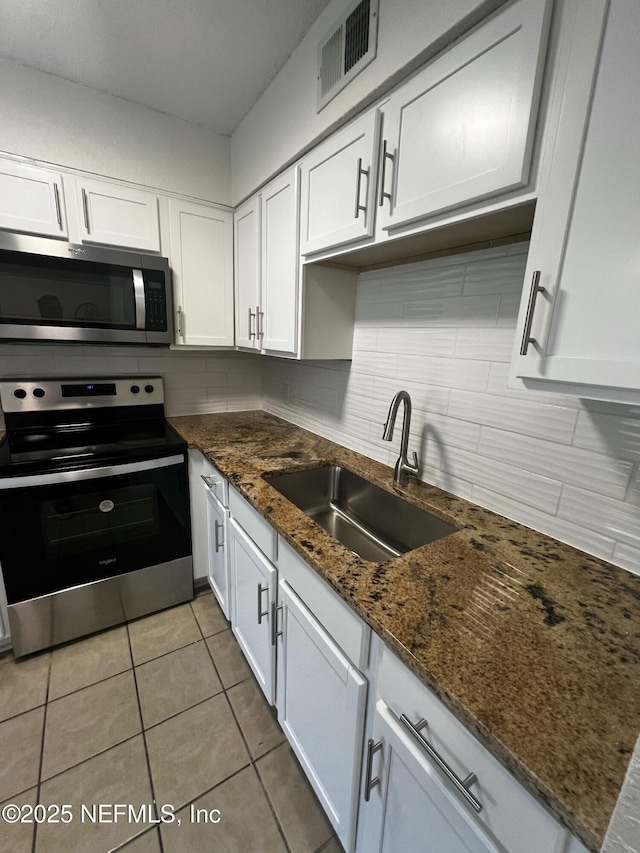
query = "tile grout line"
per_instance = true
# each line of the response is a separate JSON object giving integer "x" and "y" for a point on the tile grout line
{"x": 41, "y": 762}
{"x": 144, "y": 741}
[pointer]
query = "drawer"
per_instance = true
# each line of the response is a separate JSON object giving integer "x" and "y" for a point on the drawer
{"x": 344, "y": 626}
{"x": 215, "y": 481}
{"x": 512, "y": 815}
{"x": 254, "y": 525}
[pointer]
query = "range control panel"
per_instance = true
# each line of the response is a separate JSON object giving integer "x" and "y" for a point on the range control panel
{"x": 31, "y": 395}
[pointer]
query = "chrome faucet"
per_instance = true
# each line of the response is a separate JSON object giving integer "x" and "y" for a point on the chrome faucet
{"x": 403, "y": 468}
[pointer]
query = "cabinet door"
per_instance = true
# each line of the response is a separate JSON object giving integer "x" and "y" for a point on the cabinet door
{"x": 198, "y": 500}
{"x": 253, "y": 596}
{"x": 279, "y": 268}
{"x": 338, "y": 184}
{"x": 407, "y": 807}
{"x": 112, "y": 215}
{"x": 218, "y": 568}
{"x": 321, "y": 704}
{"x": 583, "y": 327}
{"x": 31, "y": 201}
{"x": 246, "y": 225}
{"x": 201, "y": 255}
{"x": 5, "y": 634}
{"x": 462, "y": 129}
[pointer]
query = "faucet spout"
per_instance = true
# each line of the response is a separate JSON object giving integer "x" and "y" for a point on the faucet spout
{"x": 403, "y": 469}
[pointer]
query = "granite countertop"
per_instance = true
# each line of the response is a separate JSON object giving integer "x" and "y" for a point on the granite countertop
{"x": 533, "y": 644}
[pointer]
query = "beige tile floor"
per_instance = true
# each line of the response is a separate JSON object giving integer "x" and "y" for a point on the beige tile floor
{"x": 161, "y": 711}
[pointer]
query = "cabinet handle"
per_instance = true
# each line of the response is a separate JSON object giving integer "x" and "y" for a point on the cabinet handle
{"x": 385, "y": 156}
{"x": 370, "y": 783}
{"x": 461, "y": 785}
{"x": 359, "y": 207}
{"x": 85, "y": 208}
{"x": 259, "y": 322}
{"x": 251, "y": 334}
{"x": 261, "y": 613}
{"x": 209, "y": 481}
{"x": 180, "y": 313}
{"x": 531, "y": 307}
{"x": 56, "y": 196}
{"x": 274, "y": 622}
{"x": 217, "y": 544}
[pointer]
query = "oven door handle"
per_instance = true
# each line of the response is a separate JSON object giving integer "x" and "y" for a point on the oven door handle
{"x": 89, "y": 473}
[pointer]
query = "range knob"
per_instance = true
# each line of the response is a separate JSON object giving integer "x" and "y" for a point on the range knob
{"x": 135, "y": 389}
{"x": 20, "y": 393}
{"x": 149, "y": 389}
{"x": 38, "y": 392}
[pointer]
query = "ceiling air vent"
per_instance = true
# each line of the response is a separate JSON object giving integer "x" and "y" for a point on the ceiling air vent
{"x": 347, "y": 48}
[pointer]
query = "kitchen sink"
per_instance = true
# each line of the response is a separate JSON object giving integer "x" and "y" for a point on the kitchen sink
{"x": 368, "y": 520}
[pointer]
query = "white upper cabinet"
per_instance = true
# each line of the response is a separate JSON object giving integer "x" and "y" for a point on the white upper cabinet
{"x": 266, "y": 268}
{"x": 462, "y": 129}
{"x": 338, "y": 187}
{"x": 201, "y": 256}
{"x": 31, "y": 200}
{"x": 579, "y": 318}
{"x": 279, "y": 263}
{"x": 246, "y": 247}
{"x": 115, "y": 215}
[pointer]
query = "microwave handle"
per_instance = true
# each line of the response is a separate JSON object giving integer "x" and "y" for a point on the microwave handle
{"x": 138, "y": 293}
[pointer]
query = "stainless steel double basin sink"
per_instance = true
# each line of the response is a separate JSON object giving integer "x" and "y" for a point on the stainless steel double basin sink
{"x": 373, "y": 523}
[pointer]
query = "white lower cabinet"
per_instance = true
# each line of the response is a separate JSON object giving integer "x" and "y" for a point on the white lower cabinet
{"x": 253, "y": 601}
{"x": 321, "y": 701}
{"x": 408, "y": 809}
{"x": 430, "y": 786}
{"x": 5, "y": 634}
{"x": 218, "y": 565}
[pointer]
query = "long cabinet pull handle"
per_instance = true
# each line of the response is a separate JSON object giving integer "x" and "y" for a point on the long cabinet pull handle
{"x": 262, "y": 613}
{"x": 85, "y": 209}
{"x": 461, "y": 785}
{"x": 209, "y": 481}
{"x": 275, "y": 608}
{"x": 360, "y": 207}
{"x": 217, "y": 543}
{"x": 56, "y": 198}
{"x": 251, "y": 334}
{"x": 180, "y": 314}
{"x": 259, "y": 322}
{"x": 385, "y": 156}
{"x": 531, "y": 307}
{"x": 370, "y": 783}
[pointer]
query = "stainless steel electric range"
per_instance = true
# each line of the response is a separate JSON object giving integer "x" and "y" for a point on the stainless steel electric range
{"x": 94, "y": 507}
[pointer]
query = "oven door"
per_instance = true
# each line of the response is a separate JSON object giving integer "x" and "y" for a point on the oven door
{"x": 84, "y": 549}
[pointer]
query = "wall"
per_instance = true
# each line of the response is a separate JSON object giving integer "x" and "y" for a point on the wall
{"x": 284, "y": 121}
{"x": 444, "y": 329}
{"x": 47, "y": 118}
{"x": 194, "y": 382}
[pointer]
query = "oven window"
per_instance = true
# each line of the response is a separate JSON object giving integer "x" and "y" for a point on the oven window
{"x": 61, "y": 292}
{"x": 78, "y": 523}
{"x": 66, "y": 534}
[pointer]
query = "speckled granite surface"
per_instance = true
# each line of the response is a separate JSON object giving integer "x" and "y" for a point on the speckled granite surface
{"x": 534, "y": 645}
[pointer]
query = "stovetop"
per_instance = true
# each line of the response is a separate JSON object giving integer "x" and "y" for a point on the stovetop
{"x": 63, "y": 425}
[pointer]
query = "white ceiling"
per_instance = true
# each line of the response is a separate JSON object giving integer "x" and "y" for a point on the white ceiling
{"x": 206, "y": 61}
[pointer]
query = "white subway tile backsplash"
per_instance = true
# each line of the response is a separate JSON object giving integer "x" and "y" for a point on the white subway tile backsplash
{"x": 514, "y": 414}
{"x": 571, "y": 465}
{"x": 560, "y": 528}
{"x": 444, "y": 330}
{"x": 617, "y": 520}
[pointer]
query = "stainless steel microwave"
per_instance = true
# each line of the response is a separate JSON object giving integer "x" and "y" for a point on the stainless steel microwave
{"x": 55, "y": 291}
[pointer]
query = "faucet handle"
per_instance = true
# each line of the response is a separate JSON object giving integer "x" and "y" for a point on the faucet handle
{"x": 415, "y": 460}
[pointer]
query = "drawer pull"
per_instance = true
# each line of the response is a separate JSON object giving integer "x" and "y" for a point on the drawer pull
{"x": 209, "y": 481}
{"x": 531, "y": 307}
{"x": 262, "y": 613}
{"x": 361, "y": 172}
{"x": 370, "y": 783}
{"x": 461, "y": 785}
